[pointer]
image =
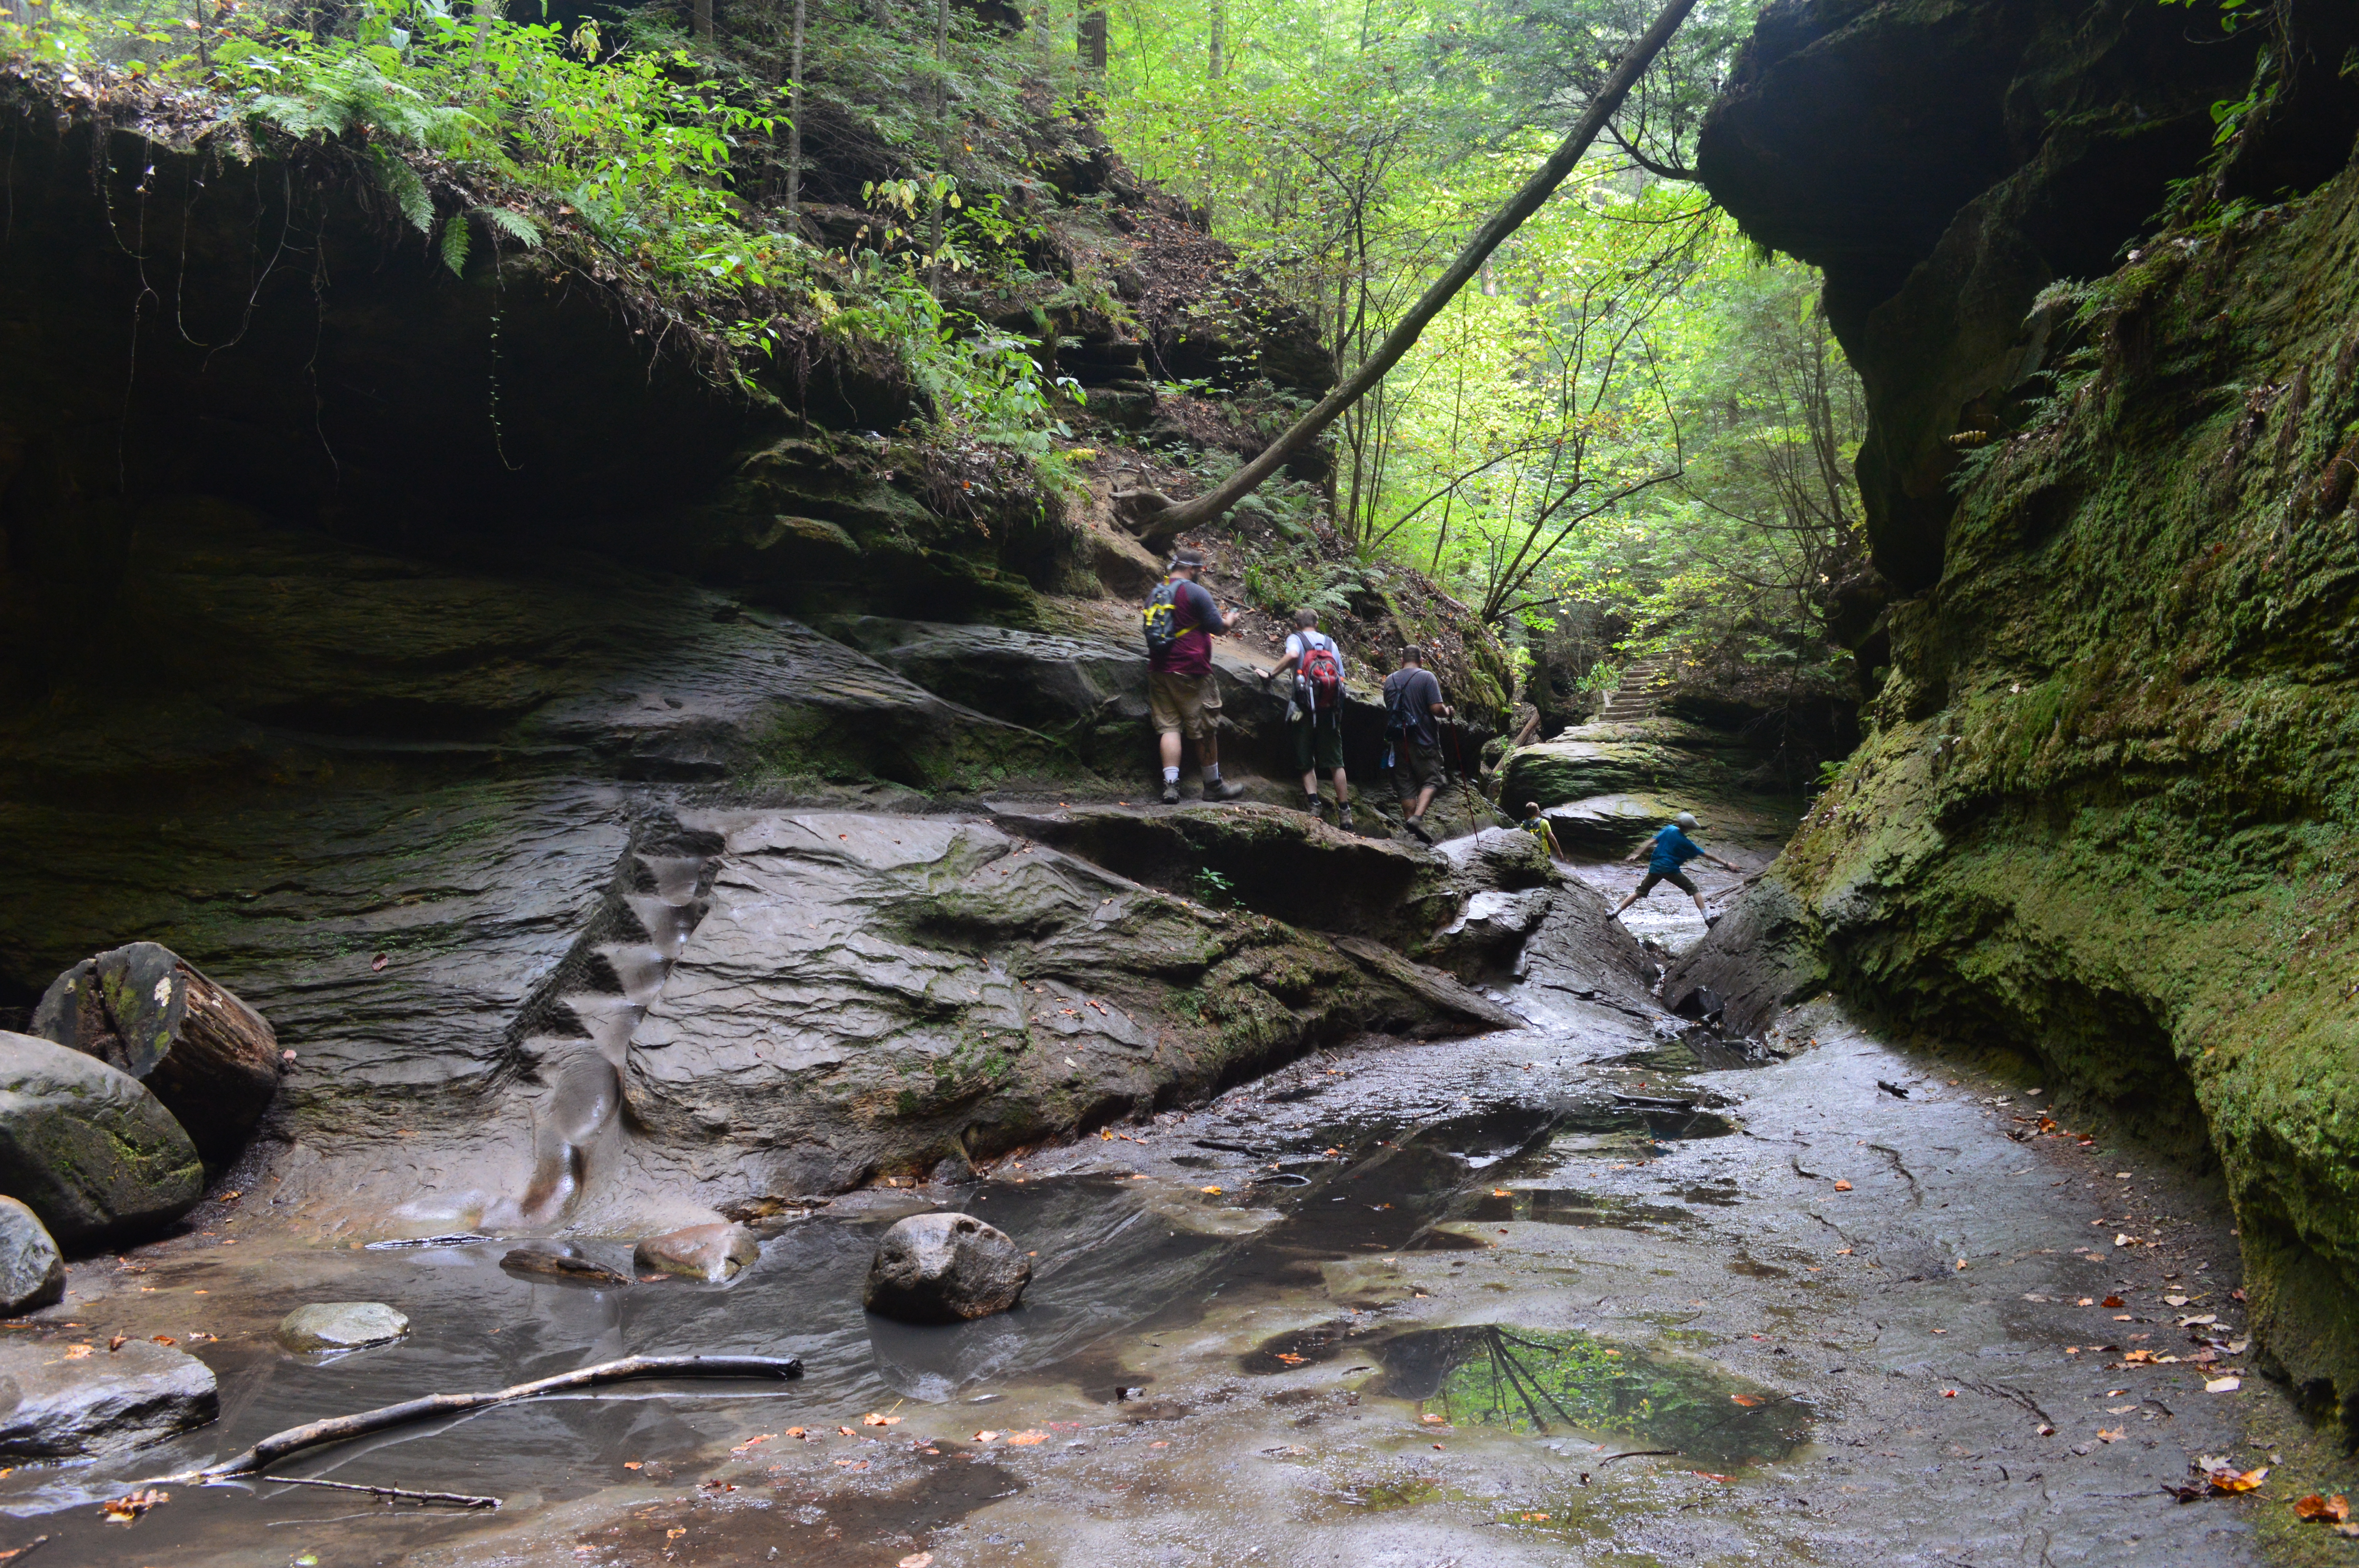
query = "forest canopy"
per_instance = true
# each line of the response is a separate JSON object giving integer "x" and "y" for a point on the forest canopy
{"x": 1632, "y": 436}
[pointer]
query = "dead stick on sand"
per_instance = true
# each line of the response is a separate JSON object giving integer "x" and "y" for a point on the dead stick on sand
{"x": 294, "y": 1440}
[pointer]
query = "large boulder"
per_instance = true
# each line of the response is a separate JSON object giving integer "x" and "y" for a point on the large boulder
{"x": 70, "y": 1400}
{"x": 945, "y": 1268}
{"x": 213, "y": 1060}
{"x": 1654, "y": 756}
{"x": 872, "y": 994}
{"x": 32, "y": 1274}
{"x": 713, "y": 1253}
{"x": 87, "y": 1148}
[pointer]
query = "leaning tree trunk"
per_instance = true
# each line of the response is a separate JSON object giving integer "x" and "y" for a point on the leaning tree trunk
{"x": 795, "y": 120}
{"x": 213, "y": 1060}
{"x": 1164, "y": 520}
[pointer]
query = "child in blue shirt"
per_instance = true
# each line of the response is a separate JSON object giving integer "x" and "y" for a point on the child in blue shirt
{"x": 1665, "y": 852}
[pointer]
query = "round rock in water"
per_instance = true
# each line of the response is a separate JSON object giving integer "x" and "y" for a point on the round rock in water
{"x": 32, "y": 1275}
{"x": 708, "y": 1252}
{"x": 87, "y": 1148}
{"x": 945, "y": 1268}
{"x": 56, "y": 1405}
{"x": 341, "y": 1326}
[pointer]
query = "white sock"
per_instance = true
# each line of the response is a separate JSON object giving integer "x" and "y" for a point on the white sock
{"x": 1212, "y": 773}
{"x": 1171, "y": 775}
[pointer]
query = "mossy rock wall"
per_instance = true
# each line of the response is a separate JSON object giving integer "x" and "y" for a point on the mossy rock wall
{"x": 2107, "y": 811}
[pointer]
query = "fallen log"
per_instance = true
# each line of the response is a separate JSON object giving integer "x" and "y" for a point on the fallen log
{"x": 340, "y": 1429}
{"x": 144, "y": 1009}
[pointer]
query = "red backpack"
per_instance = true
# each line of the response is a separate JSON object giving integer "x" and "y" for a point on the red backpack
{"x": 1323, "y": 676}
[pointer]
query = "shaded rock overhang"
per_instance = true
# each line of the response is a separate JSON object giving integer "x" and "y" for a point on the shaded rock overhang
{"x": 1942, "y": 161}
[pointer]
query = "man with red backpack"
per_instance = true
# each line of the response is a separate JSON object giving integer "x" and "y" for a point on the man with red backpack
{"x": 1315, "y": 716}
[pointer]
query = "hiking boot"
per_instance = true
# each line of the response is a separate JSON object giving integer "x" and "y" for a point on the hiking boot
{"x": 1416, "y": 826}
{"x": 1315, "y": 806}
{"x": 1710, "y": 921}
{"x": 1223, "y": 790}
{"x": 1171, "y": 793}
{"x": 1344, "y": 820}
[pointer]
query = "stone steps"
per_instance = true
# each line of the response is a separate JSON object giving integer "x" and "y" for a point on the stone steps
{"x": 1634, "y": 696}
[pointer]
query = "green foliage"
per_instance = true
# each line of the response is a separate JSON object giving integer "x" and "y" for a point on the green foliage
{"x": 1214, "y": 890}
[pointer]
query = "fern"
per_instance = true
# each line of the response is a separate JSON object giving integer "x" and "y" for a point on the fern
{"x": 514, "y": 224}
{"x": 401, "y": 182}
{"x": 454, "y": 245}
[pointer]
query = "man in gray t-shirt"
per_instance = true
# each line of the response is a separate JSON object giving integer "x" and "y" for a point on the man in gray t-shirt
{"x": 1412, "y": 703}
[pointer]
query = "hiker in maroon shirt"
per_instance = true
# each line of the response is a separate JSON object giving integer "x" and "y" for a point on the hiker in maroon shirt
{"x": 1182, "y": 692}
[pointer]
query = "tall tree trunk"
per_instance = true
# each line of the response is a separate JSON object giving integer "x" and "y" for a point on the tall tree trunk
{"x": 941, "y": 141}
{"x": 1165, "y": 523}
{"x": 1089, "y": 33}
{"x": 484, "y": 11}
{"x": 704, "y": 15}
{"x": 1216, "y": 64}
{"x": 794, "y": 118}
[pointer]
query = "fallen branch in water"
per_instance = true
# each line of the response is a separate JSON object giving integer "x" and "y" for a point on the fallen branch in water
{"x": 1638, "y": 1454}
{"x": 463, "y": 1499}
{"x": 318, "y": 1433}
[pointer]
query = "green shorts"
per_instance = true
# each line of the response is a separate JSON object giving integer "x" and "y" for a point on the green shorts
{"x": 1319, "y": 742}
{"x": 1416, "y": 768}
{"x": 1677, "y": 879}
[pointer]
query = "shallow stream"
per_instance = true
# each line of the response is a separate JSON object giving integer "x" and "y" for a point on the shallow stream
{"x": 1590, "y": 1294}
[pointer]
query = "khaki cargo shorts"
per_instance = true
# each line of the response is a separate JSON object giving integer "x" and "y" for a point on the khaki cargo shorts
{"x": 1183, "y": 705}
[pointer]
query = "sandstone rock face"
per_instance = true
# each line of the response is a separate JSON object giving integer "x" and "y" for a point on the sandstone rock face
{"x": 872, "y": 993}
{"x": 32, "y": 1274}
{"x": 945, "y": 1268}
{"x": 2103, "y": 813}
{"x": 55, "y": 1405}
{"x": 213, "y": 1060}
{"x": 713, "y": 1253}
{"x": 1658, "y": 757}
{"x": 341, "y": 1326}
{"x": 86, "y": 1148}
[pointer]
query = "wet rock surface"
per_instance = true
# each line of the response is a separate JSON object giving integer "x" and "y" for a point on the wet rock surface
{"x": 64, "y": 1401}
{"x": 713, "y": 1253}
{"x": 32, "y": 1273}
{"x": 341, "y": 1326}
{"x": 88, "y": 1149}
{"x": 945, "y": 1268}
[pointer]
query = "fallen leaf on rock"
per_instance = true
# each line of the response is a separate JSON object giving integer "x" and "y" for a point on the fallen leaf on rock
{"x": 127, "y": 1509}
{"x": 2138, "y": 1355}
{"x": 2199, "y": 1321}
{"x": 2222, "y": 1475}
{"x": 674, "y": 1534}
{"x": 2121, "y": 1240}
{"x": 632, "y": 1464}
{"x": 1842, "y": 1185}
{"x": 379, "y": 961}
{"x": 76, "y": 1352}
{"x": 163, "y": 1339}
{"x": 1288, "y": 1357}
{"x": 1214, "y": 1191}
{"x": 986, "y": 1437}
{"x": 1746, "y": 1400}
{"x": 117, "y": 1343}
{"x": 1962, "y": 1265}
{"x": 1709, "y": 1477}
{"x": 2119, "y": 1410}
{"x": 1946, "y": 1393}
{"x": 754, "y": 1442}
{"x": 873, "y": 1419}
{"x": 1501, "y": 1193}
{"x": 2113, "y": 1302}
{"x": 916, "y": 1560}
{"x": 793, "y": 1432}
{"x": 1026, "y": 1439}
{"x": 2044, "y": 1430}
{"x": 1843, "y": 1251}
{"x": 1431, "y": 1420}
{"x": 2174, "y": 1301}
{"x": 845, "y": 1431}
{"x": 2333, "y": 1509}
{"x": 2223, "y": 1385}
{"x": 2116, "y": 1435}
{"x": 716, "y": 1486}
{"x": 2086, "y": 1300}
